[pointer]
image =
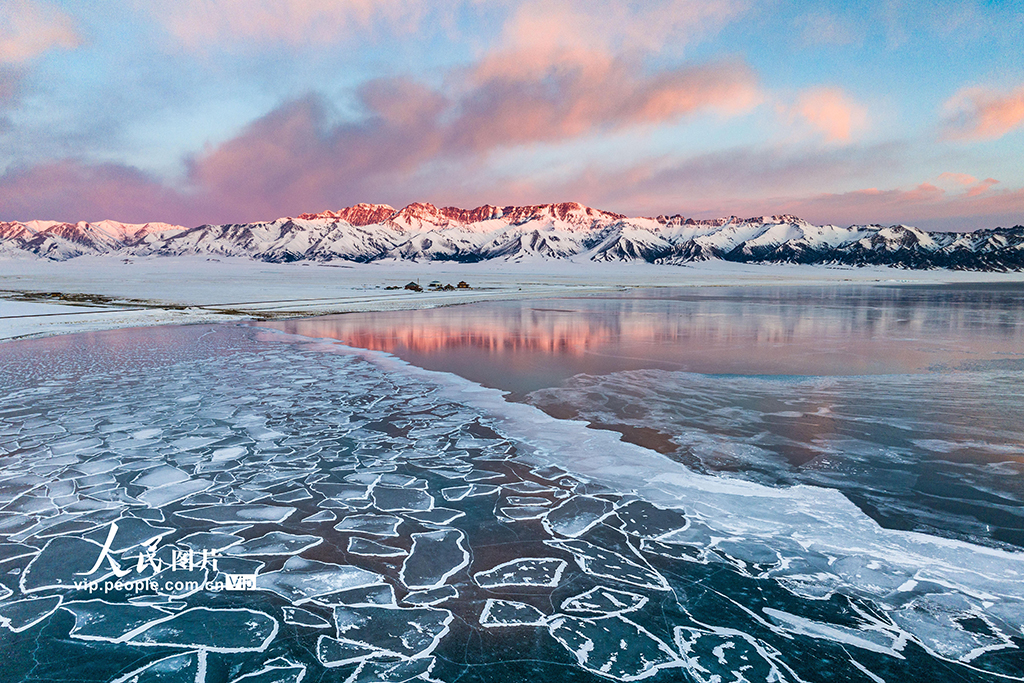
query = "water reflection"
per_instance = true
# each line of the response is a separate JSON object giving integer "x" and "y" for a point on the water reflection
{"x": 522, "y": 346}
{"x": 862, "y": 389}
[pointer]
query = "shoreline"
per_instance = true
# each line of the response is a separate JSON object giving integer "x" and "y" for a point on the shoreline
{"x": 40, "y": 298}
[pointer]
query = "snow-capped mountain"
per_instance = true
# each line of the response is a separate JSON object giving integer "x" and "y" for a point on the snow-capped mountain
{"x": 61, "y": 241}
{"x": 372, "y": 232}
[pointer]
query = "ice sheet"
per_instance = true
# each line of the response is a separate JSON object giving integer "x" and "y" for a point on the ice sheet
{"x": 625, "y": 564}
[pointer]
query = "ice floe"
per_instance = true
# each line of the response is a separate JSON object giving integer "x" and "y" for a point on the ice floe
{"x": 332, "y": 652}
{"x": 401, "y": 500}
{"x": 436, "y": 517}
{"x": 390, "y": 671}
{"x": 187, "y": 667}
{"x": 301, "y": 579}
{"x": 721, "y": 654}
{"x": 613, "y": 646}
{"x": 435, "y": 557}
{"x": 208, "y": 540}
{"x": 275, "y": 543}
{"x": 645, "y": 520}
{"x": 434, "y": 596}
{"x": 607, "y": 564}
{"x": 161, "y": 475}
{"x": 277, "y": 670}
{"x": 498, "y": 613}
{"x": 21, "y": 615}
{"x": 403, "y": 632}
{"x": 874, "y": 640}
{"x": 375, "y": 594}
{"x": 364, "y": 546}
{"x": 374, "y": 525}
{"x": 296, "y": 616}
{"x": 604, "y": 600}
{"x": 215, "y": 630}
{"x": 518, "y": 514}
{"x": 274, "y": 514}
{"x": 110, "y": 622}
{"x": 165, "y": 495}
{"x": 456, "y": 493}
{"x": 65, "y": 561}
{"x": 530, "y": 571}
{"x": 577, "y": 515}
{"x": 320, "y": 517}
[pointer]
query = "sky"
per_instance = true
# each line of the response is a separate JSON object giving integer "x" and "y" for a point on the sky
{"x": 218, "y": 111}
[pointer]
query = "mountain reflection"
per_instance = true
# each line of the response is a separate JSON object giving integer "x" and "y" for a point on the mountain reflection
{"x": 524, "y": 345}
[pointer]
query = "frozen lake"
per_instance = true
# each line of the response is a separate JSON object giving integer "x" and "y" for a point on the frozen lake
{"x": 390, "y": 523}
{"x": 522, "y": 346}
{"x": 910, "y": 400}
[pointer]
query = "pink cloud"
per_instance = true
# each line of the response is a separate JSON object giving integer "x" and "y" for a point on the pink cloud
{"x": 756, "y": 182}
{"x": 402, "y": 102}
{"x": 973, "y": 186}
{"x": 618, "y": 24}
{"x": 983, "y": 114}
{"x": 959, "y": 178}
{"x": 72, "y": 191}
{"x": 299, "y": 156}
{"x": 200, "y": 24}
{"x": 296, "y": 157}
{"x": 924, "y": 205}
{"x": 730, "y": 181}
{"x": 831, "y": 112}
{"x": 535, "y": 27}
{"x": 246, "y": 181}
{"x": 28, "y": 29}
{"x": 539, "y": 84}
{"x": 541, "y": 37}
{"x": 542, "y": 82}
{"x": 663, "y": 25}
{"x": 727, "y": 87}
{"x": 982, "y": 187}
{"x": 582, "y": 99}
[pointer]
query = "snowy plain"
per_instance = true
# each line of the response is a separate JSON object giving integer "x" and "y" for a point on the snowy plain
{"x": 174, "y": 290}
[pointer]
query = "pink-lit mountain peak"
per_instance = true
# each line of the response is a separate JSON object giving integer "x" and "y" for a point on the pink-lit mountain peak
{"x": 421, "y": 215}
{"x": 566, "y": 231}
{"x": 360, "y": 214}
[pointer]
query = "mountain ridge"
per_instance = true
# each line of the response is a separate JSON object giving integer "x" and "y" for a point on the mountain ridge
{"x": 567, "y": 230}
